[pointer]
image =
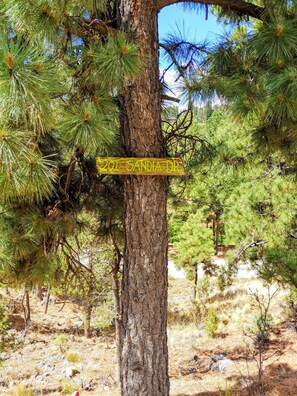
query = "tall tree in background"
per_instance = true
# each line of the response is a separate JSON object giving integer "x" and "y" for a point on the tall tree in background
{"x": 83, "y": 36}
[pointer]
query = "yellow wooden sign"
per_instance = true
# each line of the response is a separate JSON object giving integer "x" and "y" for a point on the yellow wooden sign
{"x": 140, "y": 166}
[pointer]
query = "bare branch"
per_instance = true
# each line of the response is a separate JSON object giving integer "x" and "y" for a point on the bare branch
{"x": 174, "y": 60}
{"x": 244, "y": 248}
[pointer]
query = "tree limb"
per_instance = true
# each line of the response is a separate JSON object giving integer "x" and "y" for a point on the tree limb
{"x": 85, "y": 26}
{"x": 240, "y": 7}
{"x": 174, "y": 60}
{"x": 169, "y": 98}
{"x": 244, "y": 248}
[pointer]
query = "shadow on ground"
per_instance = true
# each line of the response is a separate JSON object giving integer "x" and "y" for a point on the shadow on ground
{"x": 279, "y": 380}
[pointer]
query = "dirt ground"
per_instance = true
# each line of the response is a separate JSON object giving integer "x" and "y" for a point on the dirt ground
{"x": 52, "y": 358}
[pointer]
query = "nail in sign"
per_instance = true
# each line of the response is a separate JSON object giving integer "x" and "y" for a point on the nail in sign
{"x": 140, "y": 166}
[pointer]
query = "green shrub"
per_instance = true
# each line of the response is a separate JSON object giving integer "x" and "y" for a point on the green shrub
{"x": 62, "y": 342}
{"x": 204, "y": 287}
{"x": 72, "y": 357}
{"x": 68, "y": 388}
{"x": 212, "y": 323}
{"x": 104, "y": 315}
{"x": 226, "y": 392}
{"x": 263, "y": 327}
{"x": 4, "y": 327}
{"x": 291, "y": 306}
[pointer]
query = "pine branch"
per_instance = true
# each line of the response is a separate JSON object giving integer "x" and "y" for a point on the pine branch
{"x": 240, "y": 7}
{"x": 246, "y": 247}
{"x": 70, "y": 173}
{"x": 174, "y": 60}
{"x": 169, "y": 98}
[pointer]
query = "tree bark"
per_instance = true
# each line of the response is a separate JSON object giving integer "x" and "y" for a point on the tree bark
{"x": 26, "y": 306}
{"x": 48, "y": 294}
{"x": 143, "y": 335}
{"x": 116, "y": 287}
{"x": 28, "y": 309}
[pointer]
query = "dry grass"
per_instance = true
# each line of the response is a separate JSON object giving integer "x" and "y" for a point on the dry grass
{"x": 50, "y": 340}
{"x": 20, "y": 390}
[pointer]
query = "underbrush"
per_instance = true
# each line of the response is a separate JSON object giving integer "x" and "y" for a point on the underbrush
{"x": 104, "y": 316}
{"x": 20, "y": 390}
{"x": 212, "y": 306}
{"x": 6, "y": 340}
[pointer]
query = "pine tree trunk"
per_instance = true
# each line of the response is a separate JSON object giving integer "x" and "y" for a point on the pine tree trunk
{"x": 26, "y": 306}
{"x": 217, "y": 232}
{"x": 48, "y": 294}
{"x": 28, "y": 309}
{"x": 116, "y": 287}
{"x": 88, "y": 317}
{"x": 195, "y": 281}
{"x": 39, "y": 292}
{"x": 143, "y": 338}
{"x": 89, "y": 304}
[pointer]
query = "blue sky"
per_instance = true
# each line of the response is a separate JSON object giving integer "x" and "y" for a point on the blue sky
{"x": 195, "y": 25}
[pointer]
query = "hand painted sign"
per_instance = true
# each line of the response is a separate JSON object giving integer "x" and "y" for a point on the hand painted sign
{"x": 140, "y": 166}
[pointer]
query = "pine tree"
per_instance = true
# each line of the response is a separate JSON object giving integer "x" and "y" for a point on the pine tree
{"x": 254, "y": 196}
{"x": 254, "y": 70}
{"x": 68, "y": 120}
